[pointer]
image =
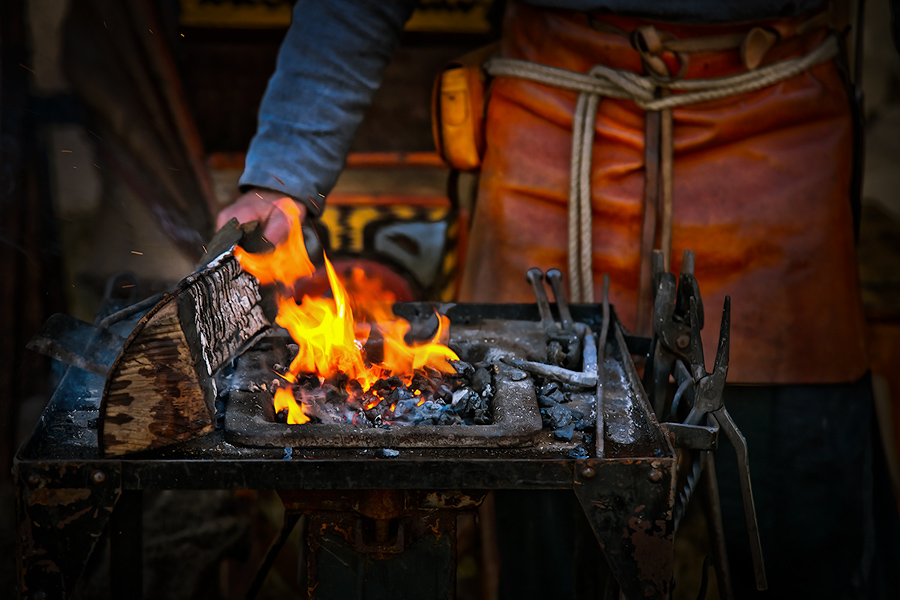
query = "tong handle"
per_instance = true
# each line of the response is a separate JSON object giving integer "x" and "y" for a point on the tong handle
{"x": 727, "y": 424}
{"x": 554, "y": 276}
{"x": 536, "y": 278}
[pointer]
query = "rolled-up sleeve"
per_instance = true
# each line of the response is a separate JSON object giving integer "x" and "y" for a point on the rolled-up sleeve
{"x": 329, "y": 66}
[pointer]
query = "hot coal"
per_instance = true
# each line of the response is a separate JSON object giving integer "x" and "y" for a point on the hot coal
{"x": 462, "y": 397}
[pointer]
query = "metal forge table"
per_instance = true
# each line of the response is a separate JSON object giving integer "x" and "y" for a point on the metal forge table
{"x": 68, "y": 494}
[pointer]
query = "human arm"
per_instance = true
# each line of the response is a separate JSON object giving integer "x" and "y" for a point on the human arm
{"x": 328, "y": 69}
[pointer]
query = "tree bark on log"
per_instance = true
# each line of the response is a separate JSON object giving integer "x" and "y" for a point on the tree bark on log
{"x": 161, "y": 389}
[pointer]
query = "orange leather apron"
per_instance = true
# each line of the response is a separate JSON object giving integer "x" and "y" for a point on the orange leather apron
{"x": 761, "y": 194}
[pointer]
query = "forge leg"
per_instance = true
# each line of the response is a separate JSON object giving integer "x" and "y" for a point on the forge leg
{"x": 629, "y": 506}
{"x": 371, "y": 544}
{"x": 349, "y": 556}
{"x": 62, "y": 511}
{"x": 126, "y": 540}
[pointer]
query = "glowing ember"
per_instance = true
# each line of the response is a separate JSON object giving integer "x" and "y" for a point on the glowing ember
{"x": 331, "y": 332}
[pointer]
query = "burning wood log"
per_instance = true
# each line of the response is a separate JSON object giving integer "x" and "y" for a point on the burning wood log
{"x": 161, "y": 388}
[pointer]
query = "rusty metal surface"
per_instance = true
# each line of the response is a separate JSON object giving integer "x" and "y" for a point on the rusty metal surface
{"x": 250, "y": 418}
{"x": 62, "y": 509}
{"x": 632, "y": 520}
{"x": 409, "y": 557}
{"x": 628, "y": 503}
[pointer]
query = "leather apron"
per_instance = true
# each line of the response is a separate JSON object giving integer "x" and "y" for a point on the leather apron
{"x": 761, "y": 193}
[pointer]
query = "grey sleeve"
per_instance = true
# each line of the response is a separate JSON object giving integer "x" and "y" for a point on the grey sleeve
{"x": 329, "y": 66}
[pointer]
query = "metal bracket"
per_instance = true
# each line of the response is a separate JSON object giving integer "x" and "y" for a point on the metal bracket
{"x": 628, "y": 504}
{"x": 693, "y": 437}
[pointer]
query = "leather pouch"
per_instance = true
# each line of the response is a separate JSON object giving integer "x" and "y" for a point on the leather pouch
{"x": 457, "y": 109}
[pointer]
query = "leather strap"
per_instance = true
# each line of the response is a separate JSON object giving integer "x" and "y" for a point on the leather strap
{"x": 648, "y": 228}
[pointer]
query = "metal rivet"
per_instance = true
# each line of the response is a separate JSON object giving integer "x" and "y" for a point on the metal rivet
{"x": 34, "y": 479}
{"x": 98, "y": 476}
{"x": 655, "y": 475}
{"x": 588, "y": 472}
{"x": 683, "y": 341}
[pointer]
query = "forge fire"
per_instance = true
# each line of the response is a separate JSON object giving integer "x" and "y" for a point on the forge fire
{"x": 354, "y": 361}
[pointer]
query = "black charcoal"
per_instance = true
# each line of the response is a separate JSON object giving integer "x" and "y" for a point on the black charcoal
{"x": 546, "y": 401}
{"x": 559, "y": 417}
{"x": 481, "y": 379}
{"x": 565, "y": 433}
{"x": 578, "y": 452}
{"x": 585, "y": 424}
{"x": 462, "y": 367}
{"x": 336, "y": 396}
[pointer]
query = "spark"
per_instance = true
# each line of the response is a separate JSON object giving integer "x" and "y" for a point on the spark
{"x": 104, "y": 25}
{"x": 150, "y": 30}
{"x": 204, "y": 248}
{"x": 95, "y": 135}
{"x": 130, "y": 285}
{"x": 258, "y": 195}
{"x": 182, "y": 35}
{"x": 26, "y": 68}
{"x": 66, "y": 151}
{"x": 136, "y": 252}
{"x": 96, "y": 165}
{"x": 276, "y": 179}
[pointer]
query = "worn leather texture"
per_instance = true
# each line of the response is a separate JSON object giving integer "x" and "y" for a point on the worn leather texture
{"x": 457, "y": 110}
{"x": 761, "y": 193}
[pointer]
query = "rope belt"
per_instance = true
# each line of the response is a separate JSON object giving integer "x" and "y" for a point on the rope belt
{"x": 655, "y": 96}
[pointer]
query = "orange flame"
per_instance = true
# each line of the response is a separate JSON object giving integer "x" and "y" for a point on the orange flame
{"x": 284, "y": 399}
{"x": 331, "y": 332}
{"x": 288, "y": 262}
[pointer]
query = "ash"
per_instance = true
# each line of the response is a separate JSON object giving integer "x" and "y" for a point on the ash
{"x": 429, "y": 398}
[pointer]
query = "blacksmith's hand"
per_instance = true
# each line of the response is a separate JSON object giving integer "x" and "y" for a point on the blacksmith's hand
{"x": 258, "y": 204}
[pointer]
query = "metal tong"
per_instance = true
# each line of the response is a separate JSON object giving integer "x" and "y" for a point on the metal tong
{"x": 678, "y": 319}
{"x": 567, "y": 342}
{"x": 563, "y": 345}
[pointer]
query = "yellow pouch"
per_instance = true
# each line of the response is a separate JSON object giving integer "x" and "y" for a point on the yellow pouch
{"x": 457, "y": 107}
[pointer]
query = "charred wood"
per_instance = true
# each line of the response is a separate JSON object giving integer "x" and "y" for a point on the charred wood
{"x": 161, "y": 389}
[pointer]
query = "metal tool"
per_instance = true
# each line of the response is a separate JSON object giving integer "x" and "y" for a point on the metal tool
{"x": 575, "y": 378}
{"x": 563, "y": 346}
{"x": 677, "y": 350}
{"x": 709, "y": 402}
